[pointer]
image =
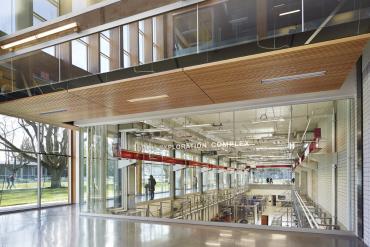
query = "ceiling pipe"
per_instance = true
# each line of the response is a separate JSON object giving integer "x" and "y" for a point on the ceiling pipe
{"x": 305, "y": 131}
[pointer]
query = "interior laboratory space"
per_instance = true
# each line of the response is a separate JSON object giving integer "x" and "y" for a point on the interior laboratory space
{"x": 185, "y": 123}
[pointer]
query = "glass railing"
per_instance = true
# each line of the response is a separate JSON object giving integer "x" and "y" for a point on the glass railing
{"x": 140, "y": 46}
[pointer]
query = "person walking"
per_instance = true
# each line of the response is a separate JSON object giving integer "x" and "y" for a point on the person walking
{"x": 8, "y": 182}
{"x": 152, "y": 184}
{"x": 195, "y": 183}
{"x": 11, "y": 181}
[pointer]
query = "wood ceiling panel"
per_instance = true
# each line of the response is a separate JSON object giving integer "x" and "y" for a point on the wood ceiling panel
{"x": 225, "y": 81}
{"x": 77, "y": 108}
{"x": 110, "y": 99}
{"x": 240, "y": 79}
{"x": 181, "y": 90}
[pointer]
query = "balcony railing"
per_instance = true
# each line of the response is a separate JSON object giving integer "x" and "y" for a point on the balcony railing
{"x": 309, "y": 214}
{"x": 139, "y": 46}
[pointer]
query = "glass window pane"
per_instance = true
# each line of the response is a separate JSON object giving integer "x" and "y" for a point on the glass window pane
{"x": 141, "y": 48}
{"x": 42, "y": 69}
{"x": 45, "y": 9}
{"x": 141, "y": 26}
{"x": 106, "y": 33}
{"x": 126, "y": 38}
{"x": 104, "y": 46}
{"x": 17, "y": 134}
{"x": 104, "y": 64}
{"x": 54, "y": 181}
{"x": 54, "y": 140}
{"x": 50, "y": 50}
{"x": 126, "y": 60}
{"x": 79, "y": 54}
{"x": 18, "y": 173}
{"x": 7, "y": 19}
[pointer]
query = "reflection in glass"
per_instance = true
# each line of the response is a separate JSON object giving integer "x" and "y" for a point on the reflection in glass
{"x": 35, "y": 69}
{"x": 6, "y": 82}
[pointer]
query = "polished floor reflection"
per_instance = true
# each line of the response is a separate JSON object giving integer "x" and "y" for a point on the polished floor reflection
{"x": 61, "y": 226}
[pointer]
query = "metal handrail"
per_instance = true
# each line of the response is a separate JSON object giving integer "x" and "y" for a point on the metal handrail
{"x": 310, "y": 218}
{"x": 214, "y": 201}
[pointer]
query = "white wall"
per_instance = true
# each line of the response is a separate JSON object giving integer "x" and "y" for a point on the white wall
{"x": 320, "y": 180}
{"x": 366, "y": 144}
{"x": 345, "y": 164}
{"x": 324, "y": 167}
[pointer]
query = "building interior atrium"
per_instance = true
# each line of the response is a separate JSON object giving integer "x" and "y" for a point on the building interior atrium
{"x": 261, "y": 167}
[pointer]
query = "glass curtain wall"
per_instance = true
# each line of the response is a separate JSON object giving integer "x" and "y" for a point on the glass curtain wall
{"x": 168, "y": 149}
{"x": 190, "y": 30}
{"x": 94, "y": 171}
{"x": 278, "y": 176}
{"x": 159, "y": 171}
{"x": 34, "y": 163}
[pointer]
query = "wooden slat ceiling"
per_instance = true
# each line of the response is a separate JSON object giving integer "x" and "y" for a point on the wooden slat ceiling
{"x": 219, "y": 82}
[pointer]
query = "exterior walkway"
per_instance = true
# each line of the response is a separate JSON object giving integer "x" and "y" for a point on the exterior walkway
{"x": 61, "y": 226}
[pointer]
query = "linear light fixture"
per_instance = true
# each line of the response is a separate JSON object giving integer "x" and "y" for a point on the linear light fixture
{"x": 290, "y": 12}
{"x": 294, "y": 77}
{"x": 270, "y": 148}
{"x": 53, "y": 112}
{"x": 154, "y": 130}
{"x": 269, "y": 121}
{"x": 197, "y": 125}
{"x": 148, "y": 98}
{"x": 40, "y": 35}
{"x": 221, "y": 131}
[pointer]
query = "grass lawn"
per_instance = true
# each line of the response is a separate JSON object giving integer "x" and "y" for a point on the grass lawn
{"x": 21, "y": 196}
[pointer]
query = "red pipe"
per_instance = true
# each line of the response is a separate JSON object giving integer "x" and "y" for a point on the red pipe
{"x": 170, "y": 160}
{"x": 174, "y": 161}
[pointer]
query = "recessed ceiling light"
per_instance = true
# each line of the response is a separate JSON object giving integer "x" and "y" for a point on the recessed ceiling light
{"x": 53, "y": 112}
{"x": 293, "y": 77}
{"x": 290, "y": 12}
{"x": 148, "y": 98}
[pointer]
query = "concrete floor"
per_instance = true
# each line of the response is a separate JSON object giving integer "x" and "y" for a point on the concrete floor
{"x": 62, "y": 226}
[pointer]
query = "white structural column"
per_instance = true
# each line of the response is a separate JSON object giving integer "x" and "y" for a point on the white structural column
{"x": 172, "y": 178}
{"x": 366, "y": 143}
